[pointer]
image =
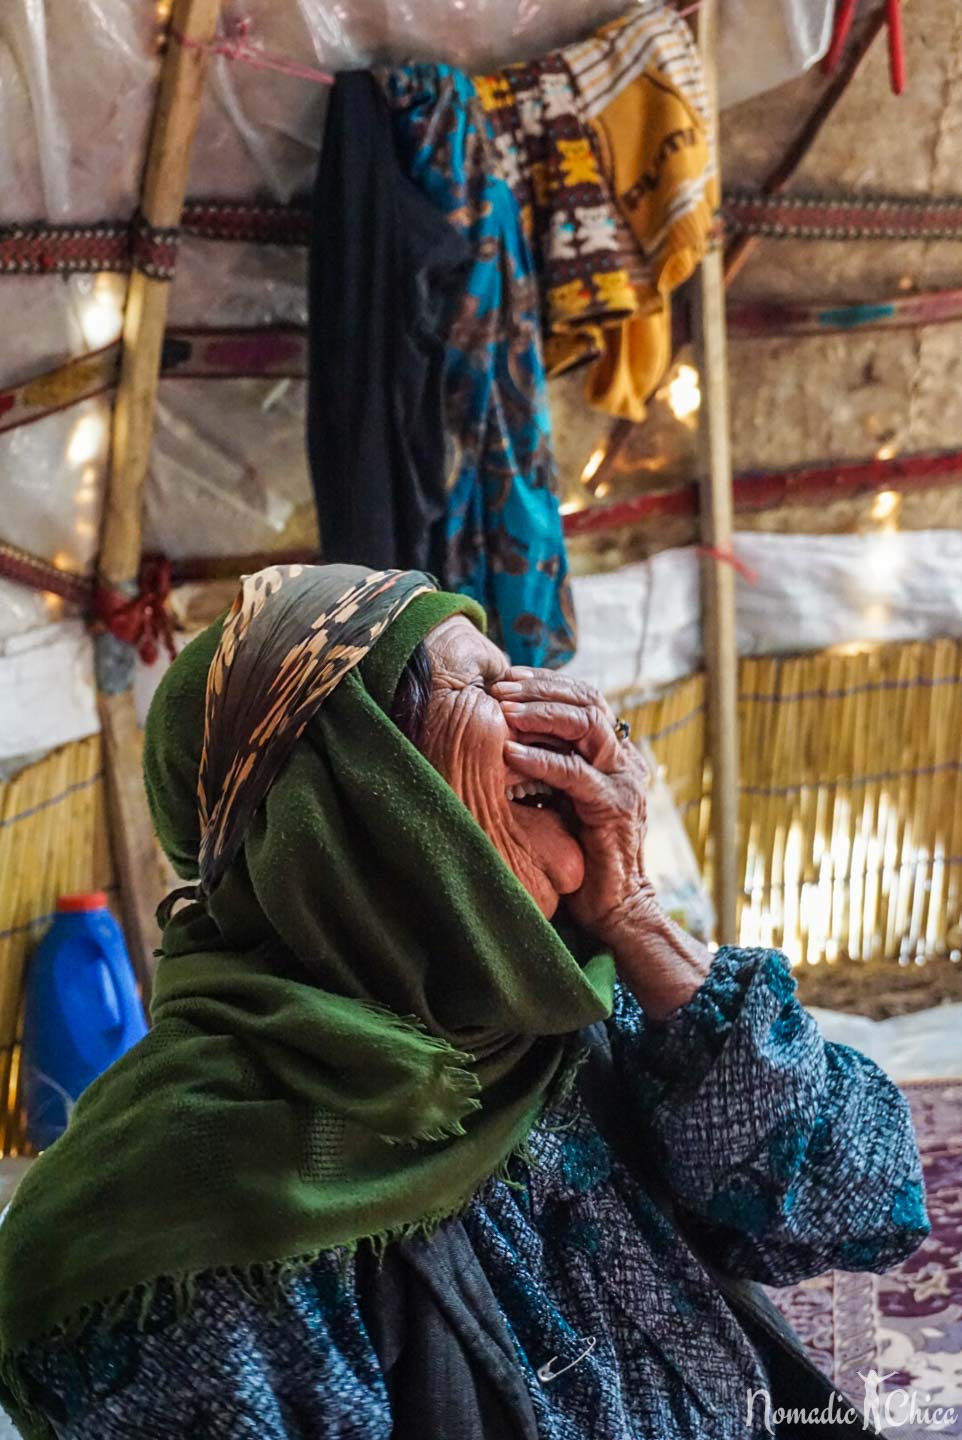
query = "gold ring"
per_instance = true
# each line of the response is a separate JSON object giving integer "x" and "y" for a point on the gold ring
{"x": 622, "y": 728}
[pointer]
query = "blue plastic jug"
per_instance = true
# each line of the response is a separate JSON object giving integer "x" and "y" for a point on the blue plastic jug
{"x": 81, "y": 1013}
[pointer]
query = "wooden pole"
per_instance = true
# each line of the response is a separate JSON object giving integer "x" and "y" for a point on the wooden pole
{"x": 778, "y": 179}
{"x": 162, "y": 198}
{"x": 718, "y": 578}
{"x": 141, "y": 870}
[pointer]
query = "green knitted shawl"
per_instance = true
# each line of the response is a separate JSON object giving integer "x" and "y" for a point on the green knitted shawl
{"x": 357, "y": 1029}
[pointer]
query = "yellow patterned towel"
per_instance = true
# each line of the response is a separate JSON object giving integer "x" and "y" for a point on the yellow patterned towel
{"x": 605, "y": 145}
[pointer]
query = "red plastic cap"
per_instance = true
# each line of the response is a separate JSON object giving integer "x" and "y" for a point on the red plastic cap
{"x": 73, "y": 904}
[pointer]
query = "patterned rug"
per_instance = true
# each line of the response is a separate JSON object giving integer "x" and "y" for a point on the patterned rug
{"x": 905, "y": 1325}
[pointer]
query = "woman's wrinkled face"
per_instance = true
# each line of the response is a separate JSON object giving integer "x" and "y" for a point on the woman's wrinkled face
{"x": 464, "y": 740}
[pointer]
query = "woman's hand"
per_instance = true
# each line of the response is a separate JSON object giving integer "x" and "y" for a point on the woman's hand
{"x": 607, "y": 782}
{"x": 604, "y": 777}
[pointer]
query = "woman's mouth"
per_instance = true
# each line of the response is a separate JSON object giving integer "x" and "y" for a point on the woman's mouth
{"x": 536, "y": 795}
{"x": 531, "y": 792}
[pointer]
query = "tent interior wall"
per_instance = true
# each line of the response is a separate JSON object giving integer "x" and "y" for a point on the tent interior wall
{"x": 845, "y": 428}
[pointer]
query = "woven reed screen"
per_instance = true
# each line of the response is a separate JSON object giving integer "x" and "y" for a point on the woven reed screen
{"x": 851, "y": 801}
{"x": 53, "y": 840}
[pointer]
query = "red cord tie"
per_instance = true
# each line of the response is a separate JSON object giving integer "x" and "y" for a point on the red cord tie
{"x": 728, "y": 557}
{"x": 140, "y": 620}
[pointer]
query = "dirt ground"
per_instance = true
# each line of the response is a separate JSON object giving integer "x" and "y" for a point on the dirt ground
{"x": 880, "y": 988}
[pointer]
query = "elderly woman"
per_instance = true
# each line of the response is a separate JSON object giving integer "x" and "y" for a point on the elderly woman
{"x": 360, "y": 1179}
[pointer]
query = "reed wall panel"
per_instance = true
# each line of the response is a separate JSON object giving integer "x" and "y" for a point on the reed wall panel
{"x": 851, "y": 800}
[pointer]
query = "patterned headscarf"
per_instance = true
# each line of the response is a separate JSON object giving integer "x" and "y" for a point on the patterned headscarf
{"x": 275, "y": 666}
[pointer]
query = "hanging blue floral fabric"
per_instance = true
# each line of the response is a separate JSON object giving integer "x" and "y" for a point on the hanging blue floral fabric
{"x": 505, "y": 543}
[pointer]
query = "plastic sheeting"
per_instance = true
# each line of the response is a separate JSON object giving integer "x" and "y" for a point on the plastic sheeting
{"x": 77, "y": 80}
{"x": 923, "y": 1046}
{"x": 49, "y": 319}
{"x": 260, "y": 132}
{"x": 47, "y": 692}
{"x": 52, "y": 508}
{"x": 640, "y": 628}
{"x": 221, "y": 284}
{"x": 764, "y": 43}
{"x": 23, "y": 610}
{"x": 225, "y": 477}
{"x": 484, "y": 32}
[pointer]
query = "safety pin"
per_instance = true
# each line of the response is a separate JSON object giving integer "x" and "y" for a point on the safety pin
{"x": 545, "y": 1373}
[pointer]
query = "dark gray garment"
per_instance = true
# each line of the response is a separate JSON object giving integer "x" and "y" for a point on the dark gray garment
{"x": 386, "y": 269}
{"x": 447, "y": 1356}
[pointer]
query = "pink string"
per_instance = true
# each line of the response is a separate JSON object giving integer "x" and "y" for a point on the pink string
{"x": 236, "y": 46}
{"x": 690, "y": 9}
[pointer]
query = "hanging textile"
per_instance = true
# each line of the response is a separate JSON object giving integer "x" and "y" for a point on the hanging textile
{"x": 386, "y": 268}
{"x": 584, "y": 188}
{"x": 505, "y": 542}
{"x": 605, "y": 146}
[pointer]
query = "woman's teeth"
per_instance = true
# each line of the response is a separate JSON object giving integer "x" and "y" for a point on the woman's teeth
{"x": 528, "y": 788}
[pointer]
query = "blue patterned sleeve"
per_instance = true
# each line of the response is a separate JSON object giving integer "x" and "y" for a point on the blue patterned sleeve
{"x": 233, "y": 1368}
{"x": 788, "y": 1156}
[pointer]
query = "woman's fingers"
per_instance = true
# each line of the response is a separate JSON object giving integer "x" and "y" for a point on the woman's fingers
{"x": 570, "y": 773}
{"x": 540, "y": 702}
{"x": 521, "y": 684}
{"x": 588, "y": 727}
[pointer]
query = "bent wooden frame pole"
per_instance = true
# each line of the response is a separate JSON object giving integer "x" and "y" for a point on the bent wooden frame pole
{"x": 718, "y": 578}
{"x": 140, "y": 867}
{"x": 778, "y": 179}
